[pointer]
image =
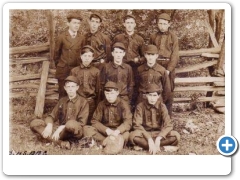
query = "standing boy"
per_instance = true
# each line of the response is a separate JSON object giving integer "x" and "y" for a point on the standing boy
{"x": 89, "y": 79}
{"x": 134, "y": 47}
{"x": 167, "y": 44}
{"x": 151, "y": 123}
{"x": 111, "y": 117}
{"x": 119, "y": 72}
{"x": 99, "y": 41}
{"x": 153, "y": 73}
{"x": 67, "y": 50}
{"x": 70, "y": 113}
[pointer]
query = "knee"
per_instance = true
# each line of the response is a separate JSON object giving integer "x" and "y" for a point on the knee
{"x": 36, "y": 123}
{"x": 89, "y": 131}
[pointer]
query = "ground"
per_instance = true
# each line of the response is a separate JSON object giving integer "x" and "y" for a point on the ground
{"x": 199, "y": 129}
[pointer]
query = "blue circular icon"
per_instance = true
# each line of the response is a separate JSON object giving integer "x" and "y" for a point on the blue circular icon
{"x": 227, "y": 145}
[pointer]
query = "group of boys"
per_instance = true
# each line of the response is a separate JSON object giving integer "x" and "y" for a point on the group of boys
{"x": 121, "y": 88}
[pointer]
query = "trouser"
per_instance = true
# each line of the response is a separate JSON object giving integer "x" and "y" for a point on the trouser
{"x": 92, "y": 107}
{"x": 72, "y": 129}
{"x": 136, "y": 138}
{"x": 90, "y": 131}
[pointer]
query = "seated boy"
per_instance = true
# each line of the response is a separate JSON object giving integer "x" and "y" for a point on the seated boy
{"x": 70, "y": 113}
{"x": 151, "y": 123}
{"x": 111, "y": 117}
{"x": 89, "y": 80}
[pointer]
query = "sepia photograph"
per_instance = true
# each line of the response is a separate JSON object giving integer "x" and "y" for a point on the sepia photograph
{"x": 107, "y": 81}
{"x": 189, "y": 67}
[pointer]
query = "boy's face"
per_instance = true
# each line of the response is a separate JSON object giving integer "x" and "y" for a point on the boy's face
{"x": 129, "y": 24}
{"x": 118, "y": 55}
{"x": 163, "y": 25}
{"x": 152, "y": 98}
{"x": 151, "y": 59}
{"x": 94, "y": 24}
{"x": 71, "y": 89}
{"x": 87, "y": 58}
{"x": 74, "y": 25}
{"x": 111, "y": 96}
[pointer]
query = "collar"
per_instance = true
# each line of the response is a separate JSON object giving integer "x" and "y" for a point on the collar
{"x": 163, "y": 33}
{"x": 72, "y": 33}
{"x": 112, "y": 104}
{"x": 84, "y": 67}
{"x": 153, "y": 67}
{"x": 156, "y": 106}
{"x": 74, "y": 99}
{"x": 127, "y": 35}
{"x": 116, "y": 65}
{"x": 93, "y": 34}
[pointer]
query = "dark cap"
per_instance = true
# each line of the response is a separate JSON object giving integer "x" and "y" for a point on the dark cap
{"x": 96, "y": 15}
{"x": 151, "y": 88}
{"x": 88, "y": 47}
{"x": 111, "y": 85}
{"x": 119, "y": 45}
{"x": 151, "y": 49}
{"x": 72, "y": 79}
{"x": 74, "y": 16}
{"x": 164, "y": 16}
{"x": 129, "y": 16}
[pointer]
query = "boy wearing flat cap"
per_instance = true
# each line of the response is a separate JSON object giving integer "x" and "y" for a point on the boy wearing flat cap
{"x": 70, "y": 113}
{"x": 152, "y": 73}
{"x": 89, "y": 79}
{"x": 111, "y": 117}
{"x": 168, "y": 50}
{"x": 119, "y": 72}
{"x": 100, "y": 42}
{"x": 151, "y": 123}
{"x": 67, "y": 50}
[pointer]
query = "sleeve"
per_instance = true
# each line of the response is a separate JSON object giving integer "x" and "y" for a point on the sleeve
{"x": 175, "y": 54}
{"x": 103, "y": 80}
{"x": 131, "y": 83}
{"x": 97, "y": 118}
{"x": 138, "y": 121}
{"x": 58, "y": 49}
{"x": 152, "y": 39}
{"x": 166, "y": 86}
{"x": 167, "y": 125}
{"x": 141, "y": 50}
{"x": 98, "y": 87}
{"x": 127, "y": 118}
{"x": 83, "y": 113}
{"x": 108, "y": 48}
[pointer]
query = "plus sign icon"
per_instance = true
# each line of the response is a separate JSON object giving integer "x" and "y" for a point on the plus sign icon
{"x": 227, "y": 145}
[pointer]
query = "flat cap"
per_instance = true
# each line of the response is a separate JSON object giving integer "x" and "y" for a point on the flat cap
{"x": 129, "y": 16}
{"x": 118, "y": 45}
{"x": 151, "y": 49}
{"x": 111, "y": 84}
{"x": 74, "y": 16}
{"x": 151, "y": 88}
{"x": 96, "y": 15}
{"x": 88, "y": 47}
{"x": 72, "y": 79}
{"x": 164, "y": 16}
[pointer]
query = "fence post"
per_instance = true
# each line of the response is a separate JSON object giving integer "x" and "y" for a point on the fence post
{"x": 42, "y": 90}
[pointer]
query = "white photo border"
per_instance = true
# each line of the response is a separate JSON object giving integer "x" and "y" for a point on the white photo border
{"x": 124, "y": 164}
